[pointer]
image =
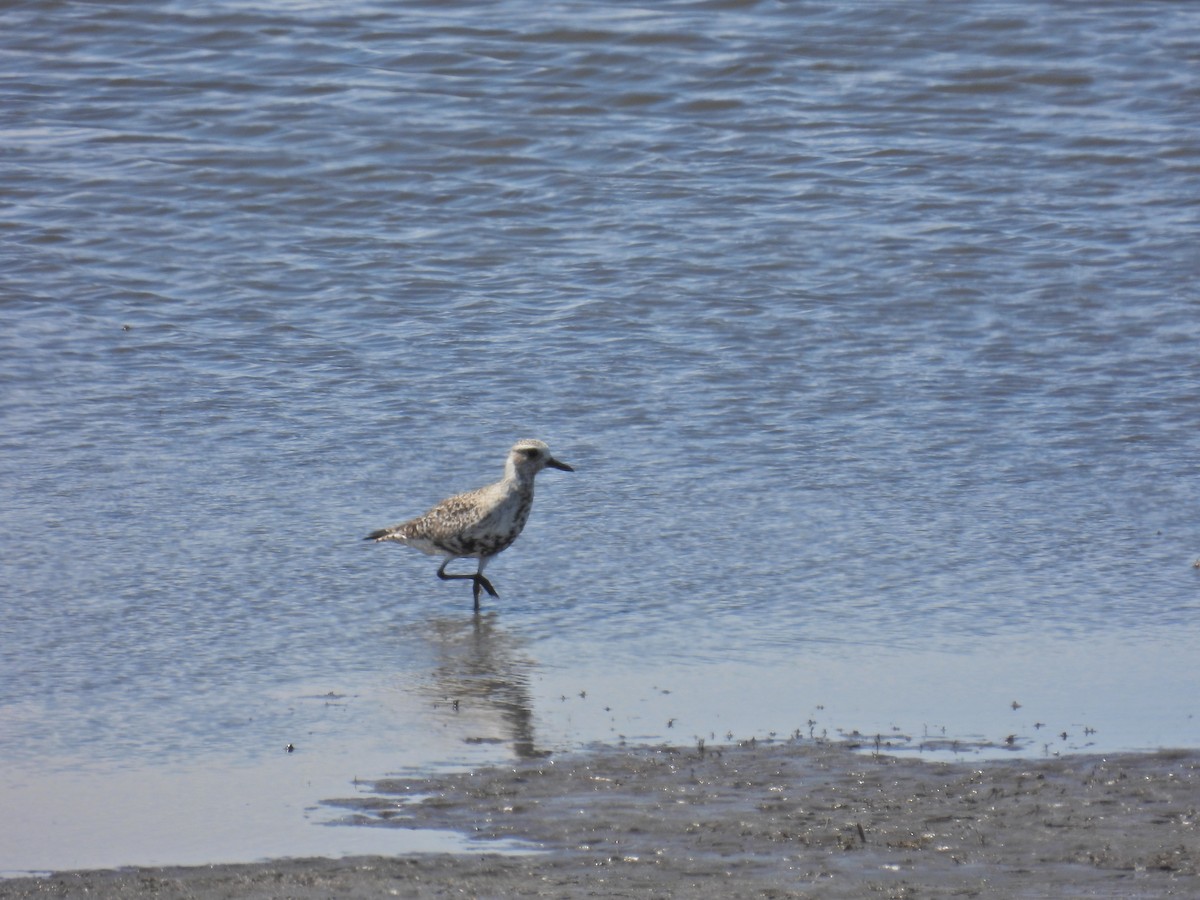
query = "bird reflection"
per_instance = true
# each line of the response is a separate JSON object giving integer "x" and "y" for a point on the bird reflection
{"x": 482, "y": 669}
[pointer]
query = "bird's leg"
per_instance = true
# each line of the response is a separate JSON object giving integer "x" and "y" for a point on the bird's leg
{"x": 481, "y": 581}
{"x": 477, "y": 578}
{"x": 452, "y": 576}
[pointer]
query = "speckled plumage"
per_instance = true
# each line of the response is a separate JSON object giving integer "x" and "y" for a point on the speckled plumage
{"x": 478, "y": 524}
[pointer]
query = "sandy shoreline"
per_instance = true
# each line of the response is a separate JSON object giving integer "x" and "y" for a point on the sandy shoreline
{"x": 785, "y": 819}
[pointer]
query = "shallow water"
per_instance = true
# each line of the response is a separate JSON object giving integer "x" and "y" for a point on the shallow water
{"x": 870, "y": 331}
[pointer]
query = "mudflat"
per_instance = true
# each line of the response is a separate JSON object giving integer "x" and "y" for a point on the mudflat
{"x": 780, "y": 819}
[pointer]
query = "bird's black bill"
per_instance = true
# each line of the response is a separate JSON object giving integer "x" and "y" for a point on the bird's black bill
{"x": 555, "y": 464}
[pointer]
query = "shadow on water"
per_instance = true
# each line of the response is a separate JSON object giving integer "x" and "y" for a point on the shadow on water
{"x": 482, "y": 672}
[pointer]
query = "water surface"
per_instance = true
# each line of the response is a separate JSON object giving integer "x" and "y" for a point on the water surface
{"x": 870, "y": 330}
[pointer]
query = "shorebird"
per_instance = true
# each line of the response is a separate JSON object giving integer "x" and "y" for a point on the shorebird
{"x": 480, "y": 523}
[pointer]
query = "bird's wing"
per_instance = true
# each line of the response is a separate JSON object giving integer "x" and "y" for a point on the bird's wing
{"x": 462, "y": 512}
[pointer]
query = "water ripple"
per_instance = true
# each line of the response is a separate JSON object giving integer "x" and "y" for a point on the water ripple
{"x": 864, "y": 324}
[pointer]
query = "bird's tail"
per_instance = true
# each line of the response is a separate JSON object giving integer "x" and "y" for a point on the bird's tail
{"x": 381, "y": 535}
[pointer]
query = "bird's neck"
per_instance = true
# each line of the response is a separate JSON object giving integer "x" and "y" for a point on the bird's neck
{"x": 517, "y": 479}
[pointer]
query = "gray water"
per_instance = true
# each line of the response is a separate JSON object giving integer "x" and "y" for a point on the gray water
{"x": 871, "y": 330}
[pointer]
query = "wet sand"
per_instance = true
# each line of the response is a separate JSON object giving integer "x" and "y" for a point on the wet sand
{"x": 780, "y": 819}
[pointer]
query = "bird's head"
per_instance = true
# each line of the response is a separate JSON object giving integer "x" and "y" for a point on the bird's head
{"x": 528, "y": 457}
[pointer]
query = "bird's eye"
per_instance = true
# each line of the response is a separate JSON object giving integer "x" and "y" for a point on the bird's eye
{"x": 531, "y": 452}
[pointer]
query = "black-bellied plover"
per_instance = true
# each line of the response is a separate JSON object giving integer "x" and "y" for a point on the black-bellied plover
{"x": 480, "y": 523}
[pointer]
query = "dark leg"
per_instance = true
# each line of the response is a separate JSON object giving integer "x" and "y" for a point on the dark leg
{"x": 481, "y": 582}
{"x": 478, "y": 579}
